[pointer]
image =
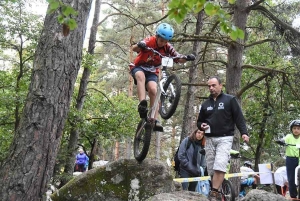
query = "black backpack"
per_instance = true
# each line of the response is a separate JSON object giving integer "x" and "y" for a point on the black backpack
{"x": 176, "y": 161}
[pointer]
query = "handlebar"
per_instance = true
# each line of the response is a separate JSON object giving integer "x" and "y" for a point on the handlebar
{"x": 190, "y": 57}
{"x": 283, "y": 143}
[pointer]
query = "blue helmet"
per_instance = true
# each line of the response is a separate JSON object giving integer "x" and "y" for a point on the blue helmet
{"x": 293, "y": 123}
{"x": 165, "y": 31}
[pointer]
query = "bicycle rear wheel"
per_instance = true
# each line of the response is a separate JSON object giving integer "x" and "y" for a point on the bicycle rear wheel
{"x": 142, "y": 140}
{"x": 170, "y": 99}
{"x": 227, "y": 191}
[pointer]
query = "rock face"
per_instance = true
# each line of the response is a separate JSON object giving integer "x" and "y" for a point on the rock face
{"x": 260, "y": 195}
{"x": 128, "y": 180}
{"x": 119, "y": 180}
{"x": 178, "y": 196}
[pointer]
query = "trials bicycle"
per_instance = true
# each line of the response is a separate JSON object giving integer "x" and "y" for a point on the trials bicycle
{"x": 167, "y": 98}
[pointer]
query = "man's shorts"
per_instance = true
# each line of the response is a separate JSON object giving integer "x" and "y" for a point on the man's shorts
{"x": 150, "y": 76}
{"x": 217, "y": 153}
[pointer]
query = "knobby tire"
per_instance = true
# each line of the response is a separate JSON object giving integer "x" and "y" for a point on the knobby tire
{"x": 142, "y": 140}
{"x": 228, "y": 191}
{"x": 170, "y": 101}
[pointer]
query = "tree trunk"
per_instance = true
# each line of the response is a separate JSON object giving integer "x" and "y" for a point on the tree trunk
{"x": 187, "y": 125}
{"x": 29, "y": 166}
{"x": 234, "y": 74}
{"x": 74, "y": 134}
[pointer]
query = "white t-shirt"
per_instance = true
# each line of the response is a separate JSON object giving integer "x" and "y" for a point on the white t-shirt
{"x": 245, "y": 169}
{"x": 280, "y": 176}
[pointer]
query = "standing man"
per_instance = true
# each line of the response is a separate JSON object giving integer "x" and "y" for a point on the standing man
{"x": 218, "y": 115}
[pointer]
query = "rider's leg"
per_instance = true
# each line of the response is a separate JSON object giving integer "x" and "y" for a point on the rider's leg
{"x": 291, "y": 164}
{"x": 152, "y": 91}
{"x": 140, "y": 82}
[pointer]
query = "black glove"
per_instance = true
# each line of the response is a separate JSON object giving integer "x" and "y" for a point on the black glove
{"x": 190, "y": 57}
{"x": 141, "y": 45}
{"x": 280, "y": 142}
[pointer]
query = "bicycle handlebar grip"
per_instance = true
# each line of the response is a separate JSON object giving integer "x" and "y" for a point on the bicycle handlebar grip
{"x": 280, "y": 142}
{"x": 190, "y": 57}
{"x": 141, "y": 45}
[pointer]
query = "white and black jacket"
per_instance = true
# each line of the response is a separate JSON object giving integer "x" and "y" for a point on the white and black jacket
{"x": 222, "y": 115}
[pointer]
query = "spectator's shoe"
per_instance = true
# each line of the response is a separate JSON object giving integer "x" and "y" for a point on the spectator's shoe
{"x": 214, "y": 196}
{"x": 158, "y": 126}
{"x": 142, "y": 109}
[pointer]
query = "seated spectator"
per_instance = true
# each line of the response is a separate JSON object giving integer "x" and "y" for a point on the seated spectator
{"x": 250, "y": 180}
{"x": 281, "y": 181}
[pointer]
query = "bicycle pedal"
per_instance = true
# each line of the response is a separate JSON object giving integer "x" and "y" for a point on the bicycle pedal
{"x": 158, "y": 128}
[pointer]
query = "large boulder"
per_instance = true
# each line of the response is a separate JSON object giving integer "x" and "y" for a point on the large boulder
{"x": 125, "y": 180}
{"x": 261, "y": 195}
{"x": 119, "y": 180}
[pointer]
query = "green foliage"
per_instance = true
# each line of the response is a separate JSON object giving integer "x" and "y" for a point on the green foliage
{"x": 180, "y": 8}
{"x": 66, "y": 13}
{"x": 19, "y": 33}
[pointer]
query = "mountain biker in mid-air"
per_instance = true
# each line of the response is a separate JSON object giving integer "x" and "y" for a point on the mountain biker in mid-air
{"x": 145, "y": 69}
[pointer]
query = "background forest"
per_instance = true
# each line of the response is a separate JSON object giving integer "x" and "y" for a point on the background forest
{"x": 261, "y": 69}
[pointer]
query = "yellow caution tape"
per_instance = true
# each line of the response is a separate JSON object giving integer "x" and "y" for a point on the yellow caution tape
{"x": 191, "y": 179}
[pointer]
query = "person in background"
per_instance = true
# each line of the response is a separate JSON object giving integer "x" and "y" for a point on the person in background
{"x": 145, "y": 69}
{"x": 191, "y": 155}
{"x": 250, "y": 180}
{"x": 81, "y": 160}
{"x": 281, "y": 181}
{"x": 218, "y": 117}
{"x": 292, "y": 155}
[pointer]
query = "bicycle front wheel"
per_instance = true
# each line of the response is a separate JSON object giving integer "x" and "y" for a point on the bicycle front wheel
{"x": 169, "y": 99}
{"x": 142, "y": 140}
{"x": 228, "y": 191}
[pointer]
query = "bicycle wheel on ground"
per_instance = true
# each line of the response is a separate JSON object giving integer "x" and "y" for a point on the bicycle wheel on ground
{"x": 227, "y": 191}
{"x": 142, "y": 140}
{"x": 169, "y": 99}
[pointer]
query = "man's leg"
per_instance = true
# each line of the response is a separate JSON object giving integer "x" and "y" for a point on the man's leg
{"x": 223, "y": 146}
{"x": 217, "y": 179}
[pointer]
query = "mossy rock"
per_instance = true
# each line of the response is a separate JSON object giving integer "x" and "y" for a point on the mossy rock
{"x": 119, "y": 180}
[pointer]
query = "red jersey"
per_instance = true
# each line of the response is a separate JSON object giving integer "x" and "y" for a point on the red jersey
{"x": 147, "y": 58}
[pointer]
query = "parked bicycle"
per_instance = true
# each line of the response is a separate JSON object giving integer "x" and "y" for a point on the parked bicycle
{"x": 167, "y": 98}
{"x": 297, "y": 169}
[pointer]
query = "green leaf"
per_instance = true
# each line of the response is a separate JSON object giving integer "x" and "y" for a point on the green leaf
{"x": 231, "y": 1}
{"x": 211, "y": 9}
{"x": 174, "y": 4}
{"x": 233, "y": 35}
{"x": 224, "y": 27}
{"x": 199, "y": 6}
{"x": 60, "y": 18}
{"x": 240, "y": 33}
{"x": 54, "y": 5}
{"x": 72, "y": 24}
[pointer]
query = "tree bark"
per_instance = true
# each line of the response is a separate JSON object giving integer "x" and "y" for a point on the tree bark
{"x": 234, "y": 74}
{"x": 74, "y": 134}
{"x": 28, "y": 168}
{"x": 187, "y": 125}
